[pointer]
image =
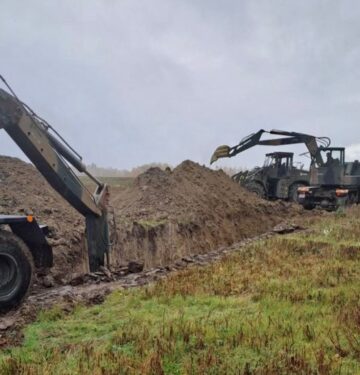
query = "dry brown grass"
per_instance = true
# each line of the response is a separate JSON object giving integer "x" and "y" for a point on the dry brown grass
{"x": 289, "y": 305}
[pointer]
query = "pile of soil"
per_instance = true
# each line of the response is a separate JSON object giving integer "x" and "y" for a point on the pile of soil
{"x": 164, "y": 216}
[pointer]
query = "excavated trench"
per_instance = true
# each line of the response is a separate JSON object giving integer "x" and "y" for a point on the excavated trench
{"x": 165, "y": 221}
{"x": 163, "y": 216}
{"x": 91, "y": 289}
{"x": 166, "y": 215}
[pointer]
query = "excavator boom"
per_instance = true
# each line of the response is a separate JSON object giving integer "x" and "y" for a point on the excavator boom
{"x": 289, "y": 138}
{"x": 48, "y": 153}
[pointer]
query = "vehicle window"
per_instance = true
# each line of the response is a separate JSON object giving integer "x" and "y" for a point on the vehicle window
{"x": 331, "y": 157}
{"x": 267, "y": 162}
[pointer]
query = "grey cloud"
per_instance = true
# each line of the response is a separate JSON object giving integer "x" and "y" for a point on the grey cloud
{"x": 130, "y": 82}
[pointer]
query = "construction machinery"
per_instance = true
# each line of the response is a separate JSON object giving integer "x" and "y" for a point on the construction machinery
{"x": 23, "y": 243}
{"x": 334, "y": 183}
{"x": 279, "y": 178}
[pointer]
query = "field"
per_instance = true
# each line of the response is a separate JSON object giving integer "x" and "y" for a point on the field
{"x": 287, "y": 305}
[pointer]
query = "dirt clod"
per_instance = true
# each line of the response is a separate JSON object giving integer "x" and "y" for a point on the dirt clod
{"x": 135, "y": 267}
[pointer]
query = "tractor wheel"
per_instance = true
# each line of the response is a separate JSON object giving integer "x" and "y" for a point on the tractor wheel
{"x": 16, "y": 270}
{"x": 309, "y": 206}
{"x": 293, "y": 191}
{"x": 256, "y": 188}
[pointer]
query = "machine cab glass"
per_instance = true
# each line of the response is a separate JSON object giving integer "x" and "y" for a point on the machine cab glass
{"x": 331, "y": 157}
{"x": 280, "y": 162}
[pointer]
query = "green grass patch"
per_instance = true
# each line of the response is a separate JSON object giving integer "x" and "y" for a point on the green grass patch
{"x": 288, "y": 305}
{"x": 150, "y": 224}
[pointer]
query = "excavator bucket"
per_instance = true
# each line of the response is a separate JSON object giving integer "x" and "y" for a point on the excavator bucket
{"x": 220, "y": 152}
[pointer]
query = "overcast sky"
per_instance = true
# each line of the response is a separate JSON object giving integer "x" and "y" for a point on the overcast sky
{"x": 129, "y": 82}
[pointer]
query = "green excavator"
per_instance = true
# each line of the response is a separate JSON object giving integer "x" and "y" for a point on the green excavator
{"x": 278, "y": 178}
{"x": 23, "y": 241}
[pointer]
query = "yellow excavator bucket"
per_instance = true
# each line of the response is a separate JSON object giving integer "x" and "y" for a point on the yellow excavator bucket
{"x": 220, "y": 152}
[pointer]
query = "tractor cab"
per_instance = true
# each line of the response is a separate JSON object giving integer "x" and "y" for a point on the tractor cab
{"x": 279, "y": 164}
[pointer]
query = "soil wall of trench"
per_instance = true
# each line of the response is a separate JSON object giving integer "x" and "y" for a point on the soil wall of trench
{"x": 160, "y": 244}
{"x": 190, "y": 210}
{"x": 163, "y": 216}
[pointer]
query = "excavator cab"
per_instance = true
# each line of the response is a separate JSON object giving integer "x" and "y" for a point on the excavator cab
{"x": 330, "y": 156}
{"x": 334, "y": 182}
{"x": 329, "y": 166}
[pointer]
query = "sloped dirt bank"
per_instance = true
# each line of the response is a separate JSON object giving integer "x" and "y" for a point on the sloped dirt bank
{"x": 191, "y": 210}
{"x": 23, "y": 190}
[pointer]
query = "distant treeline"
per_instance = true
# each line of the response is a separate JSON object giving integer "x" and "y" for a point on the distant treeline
{"x": 113, "y": 172}
{"x": 134, "y": 172}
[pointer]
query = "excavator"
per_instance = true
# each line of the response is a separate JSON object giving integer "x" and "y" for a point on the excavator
{"x": 23, "y": 243}
{"x": 334, "y": 184}
{"x": 278, "y": 178}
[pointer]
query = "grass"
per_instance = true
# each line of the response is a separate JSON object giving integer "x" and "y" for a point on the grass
{"x": 289, "y": 305}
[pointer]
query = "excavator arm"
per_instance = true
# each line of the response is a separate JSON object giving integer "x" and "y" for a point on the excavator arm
{"x": 51, "y": 156}
{"x": 289, "y": 138}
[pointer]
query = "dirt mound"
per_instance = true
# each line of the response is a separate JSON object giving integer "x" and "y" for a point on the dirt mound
{"x": 23, "y": 190}
{"x": 191, "y": 191}
{"x": 163, "y": 217}
{"x": 192, "y": 209}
